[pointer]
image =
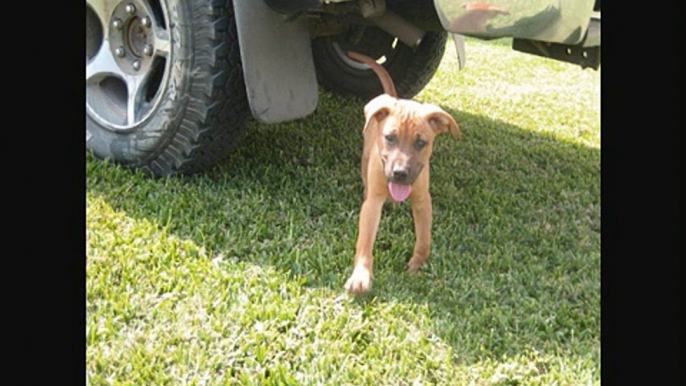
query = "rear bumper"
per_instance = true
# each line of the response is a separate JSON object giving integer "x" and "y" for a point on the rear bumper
{"x": 555, "y": 21}
{"x": 585, "y": 53}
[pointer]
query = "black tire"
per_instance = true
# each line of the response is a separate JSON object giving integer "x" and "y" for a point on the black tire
{"x": 192, "y": 107}
{"x": 411, "y": 69}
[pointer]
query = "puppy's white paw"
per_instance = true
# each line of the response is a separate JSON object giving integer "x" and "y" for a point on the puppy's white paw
{"x": 359, "y": 282}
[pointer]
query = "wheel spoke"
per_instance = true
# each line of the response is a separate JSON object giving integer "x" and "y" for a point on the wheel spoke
{"x": 103, "y": 8}
{"x": 135, "y": 86}
{"x": 162, "y": 42}
{"x": 102, "y": 65}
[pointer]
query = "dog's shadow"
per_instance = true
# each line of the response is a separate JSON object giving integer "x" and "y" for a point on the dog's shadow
{"x": 302, "y": 178}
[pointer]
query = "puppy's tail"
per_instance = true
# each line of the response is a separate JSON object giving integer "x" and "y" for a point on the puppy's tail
{"x": 384, "y": 76}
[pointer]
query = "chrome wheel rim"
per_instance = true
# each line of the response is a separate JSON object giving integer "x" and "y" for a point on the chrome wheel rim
{"x": 128, "y": 50}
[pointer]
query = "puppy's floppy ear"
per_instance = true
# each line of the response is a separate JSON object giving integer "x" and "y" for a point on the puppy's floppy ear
{"x": 441, "y": 121}
{"x": 377, "y": 109}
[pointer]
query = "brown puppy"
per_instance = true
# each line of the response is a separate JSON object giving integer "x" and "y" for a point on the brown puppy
{"x": 398, "y": 140}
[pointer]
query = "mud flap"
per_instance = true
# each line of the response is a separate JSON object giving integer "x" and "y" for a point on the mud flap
{"x": 277, "y": 63}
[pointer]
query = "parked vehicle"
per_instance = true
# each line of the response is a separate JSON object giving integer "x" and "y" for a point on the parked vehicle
{"x": 170, "y": 83}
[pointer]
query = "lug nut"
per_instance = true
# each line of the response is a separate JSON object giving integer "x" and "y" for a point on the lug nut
{"x": 145, "y": 21}
{"x": 117, "y": 23}
{"x": 137, "y": 65}
{"x": 147, "y": 50}
{"x": 120, "y": 52}
{"x": 130, "y": 9}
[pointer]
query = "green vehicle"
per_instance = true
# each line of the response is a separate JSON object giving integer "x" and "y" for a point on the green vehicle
{"x": 171, "y": 83}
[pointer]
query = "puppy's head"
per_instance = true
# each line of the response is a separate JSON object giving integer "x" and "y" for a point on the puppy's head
{"x": 404, "y": 132}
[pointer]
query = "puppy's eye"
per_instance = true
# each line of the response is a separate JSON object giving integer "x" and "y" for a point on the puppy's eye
{"x": 390, "y": 139}
{"x": 419, "y": 145}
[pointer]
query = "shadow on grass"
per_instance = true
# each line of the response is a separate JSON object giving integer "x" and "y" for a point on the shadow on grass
{"x": 515, "y": 255}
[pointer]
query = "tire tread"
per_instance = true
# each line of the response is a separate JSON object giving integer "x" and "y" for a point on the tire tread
{"x": 217, "y": 106}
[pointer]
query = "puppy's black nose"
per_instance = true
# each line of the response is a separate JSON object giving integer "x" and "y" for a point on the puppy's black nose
{"x": 400, "y": 174}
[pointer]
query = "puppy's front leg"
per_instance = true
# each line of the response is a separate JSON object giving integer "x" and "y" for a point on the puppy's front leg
{"x": 421, "y": 213}
{"x": 370, "y": 215}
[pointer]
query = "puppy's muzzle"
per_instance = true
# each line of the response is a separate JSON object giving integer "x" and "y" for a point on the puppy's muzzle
{"x": 400, "y": 175}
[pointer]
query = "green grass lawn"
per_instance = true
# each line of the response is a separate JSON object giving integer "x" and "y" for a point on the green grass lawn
{"x": 236, "y": 276}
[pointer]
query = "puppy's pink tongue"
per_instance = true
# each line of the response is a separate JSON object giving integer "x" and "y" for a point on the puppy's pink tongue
{"x": 399, "y": 192}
